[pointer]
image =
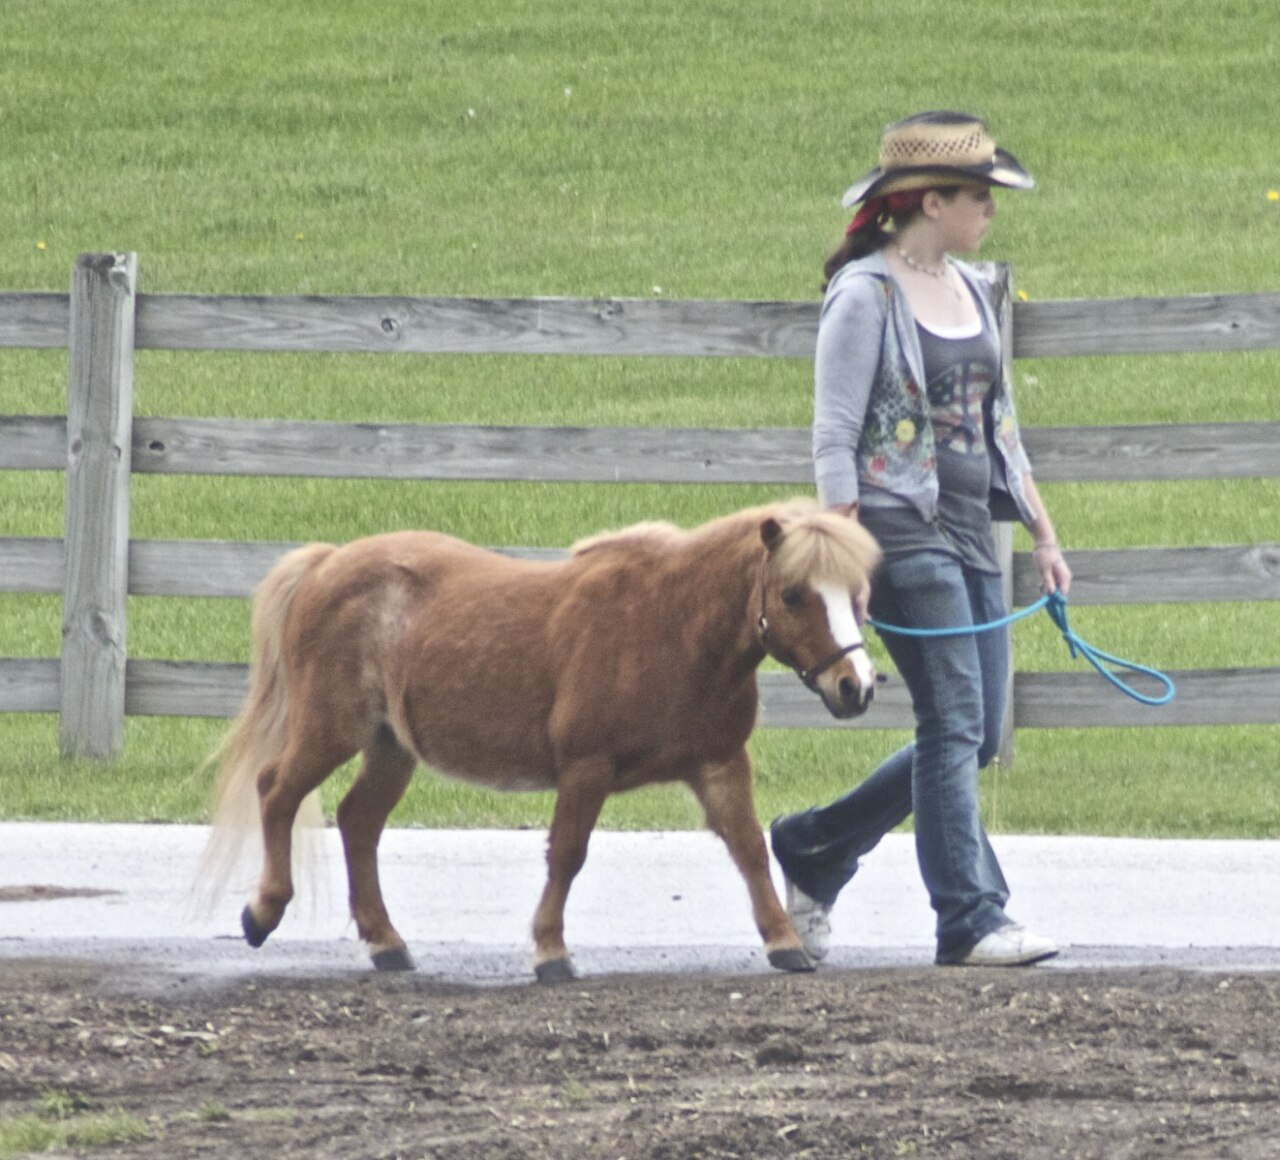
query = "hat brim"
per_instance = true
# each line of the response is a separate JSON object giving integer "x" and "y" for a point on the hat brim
{"x": 1003, "y": 170}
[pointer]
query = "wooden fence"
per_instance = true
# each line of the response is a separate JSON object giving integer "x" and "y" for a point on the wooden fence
{"x": 100, "y": 444}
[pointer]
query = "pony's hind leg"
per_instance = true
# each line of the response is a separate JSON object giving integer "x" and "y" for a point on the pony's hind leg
{"x": 384, "y": 776}
{"x": 309, "y": 757}
{"x": 726, "y": 797}
{"x": 580, "y": 793}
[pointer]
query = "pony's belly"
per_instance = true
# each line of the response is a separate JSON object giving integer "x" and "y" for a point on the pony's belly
{"x": 478, "y": 761}
{"x": 504, "y": 781}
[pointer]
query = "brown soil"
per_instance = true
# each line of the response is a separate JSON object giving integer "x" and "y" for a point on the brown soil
{"x": 1033, "y": 1063}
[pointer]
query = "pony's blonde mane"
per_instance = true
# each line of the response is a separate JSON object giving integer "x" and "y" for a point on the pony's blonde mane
{"x": 818, "y": 546}
{"x": 650, "y": 531}
{"x": 821, "y": 546}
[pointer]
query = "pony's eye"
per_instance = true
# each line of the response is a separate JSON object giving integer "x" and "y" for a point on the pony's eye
{"x": 793, "y": 597}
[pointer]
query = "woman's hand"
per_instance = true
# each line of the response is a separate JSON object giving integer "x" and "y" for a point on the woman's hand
{"x": 861, "y": 602}
{"x": 1055, "y": 575}
{"x": 861, "y": 598}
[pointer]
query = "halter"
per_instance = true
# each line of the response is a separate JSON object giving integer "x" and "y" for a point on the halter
{"x": 808, "y": 676}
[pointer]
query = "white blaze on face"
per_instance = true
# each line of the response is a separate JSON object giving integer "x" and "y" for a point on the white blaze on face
{"x": 845, "y": 631}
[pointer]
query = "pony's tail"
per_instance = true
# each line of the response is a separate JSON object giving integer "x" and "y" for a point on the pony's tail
{"x": 257, "y": 735}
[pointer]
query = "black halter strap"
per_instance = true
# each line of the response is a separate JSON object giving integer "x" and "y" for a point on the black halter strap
{"x": 808, "y": 676}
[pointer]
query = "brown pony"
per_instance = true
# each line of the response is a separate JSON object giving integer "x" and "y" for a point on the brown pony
{"x": 632, "y": 661}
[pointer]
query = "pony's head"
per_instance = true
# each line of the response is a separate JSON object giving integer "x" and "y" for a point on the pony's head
{"x": 815, "y": 563}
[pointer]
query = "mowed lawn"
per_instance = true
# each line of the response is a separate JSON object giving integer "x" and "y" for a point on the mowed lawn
{"x": 567, "y": 148}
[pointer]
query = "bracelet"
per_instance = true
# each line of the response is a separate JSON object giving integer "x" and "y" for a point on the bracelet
{"x": 1046, "y": 544}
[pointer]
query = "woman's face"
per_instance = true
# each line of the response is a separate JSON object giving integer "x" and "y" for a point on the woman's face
{"x": 963, "y": 219}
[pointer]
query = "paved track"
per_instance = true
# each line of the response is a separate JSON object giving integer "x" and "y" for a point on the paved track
{"x": 649, "y": 902}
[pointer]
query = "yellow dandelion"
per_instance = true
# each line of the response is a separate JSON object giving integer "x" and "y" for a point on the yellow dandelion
{"x": 1273, "y": 194}
{"x": 299, "y": 236}
{"x": 1022, "y": 296}
{"x": 905, "y": 431}
{"x": 41, "y": 246}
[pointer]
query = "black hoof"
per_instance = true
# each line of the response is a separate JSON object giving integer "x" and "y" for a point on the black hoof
{"x": 555, "y": 971}
{"x": 393, "y": 959}
{"x": 254, "y": 935}
{"x": 791, "y": 959}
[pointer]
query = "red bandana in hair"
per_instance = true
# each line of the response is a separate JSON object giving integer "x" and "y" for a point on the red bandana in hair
{"x": 881, "y": 209}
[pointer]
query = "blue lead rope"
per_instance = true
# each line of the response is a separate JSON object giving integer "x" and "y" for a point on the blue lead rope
{"x": 1056, "y": 605}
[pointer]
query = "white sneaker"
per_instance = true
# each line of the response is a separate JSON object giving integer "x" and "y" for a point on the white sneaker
{"x": 812, "y": 921}
{"x": 1010, "y": 946}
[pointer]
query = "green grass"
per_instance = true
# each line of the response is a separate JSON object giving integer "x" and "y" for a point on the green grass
{"x": 66, "y": 1119}
{"x": 560, "y": 147}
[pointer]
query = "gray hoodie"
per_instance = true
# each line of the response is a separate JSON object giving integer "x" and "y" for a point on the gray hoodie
{"x": 871, "y": 422}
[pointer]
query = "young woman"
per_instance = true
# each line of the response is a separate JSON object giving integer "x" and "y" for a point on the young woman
{"x": 915, "y": 435}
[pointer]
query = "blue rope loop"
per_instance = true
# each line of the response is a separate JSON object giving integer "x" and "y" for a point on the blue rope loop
{"x": 1055, "y": 604}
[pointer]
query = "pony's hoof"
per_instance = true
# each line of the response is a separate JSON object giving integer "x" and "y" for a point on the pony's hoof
{"x": 791, "y": 959}
{"x": 254, "y": 935}
{"x": 555, "y": 971}
{"x": 393, "y": 959}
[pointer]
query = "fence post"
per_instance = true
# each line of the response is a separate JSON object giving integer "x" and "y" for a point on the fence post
{"x": 1003, "y": 534}
{"x": 99, "y": 450}
{"x": 1004, "y": 531}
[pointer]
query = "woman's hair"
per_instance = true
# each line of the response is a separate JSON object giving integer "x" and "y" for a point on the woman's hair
{"x": 873, "y": 234}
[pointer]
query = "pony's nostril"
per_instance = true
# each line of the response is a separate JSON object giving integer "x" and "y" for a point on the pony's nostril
{"x": 848, "y": 690}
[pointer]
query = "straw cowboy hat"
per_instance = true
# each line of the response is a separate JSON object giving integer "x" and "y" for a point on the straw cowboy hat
{"x": 937, "y": 148}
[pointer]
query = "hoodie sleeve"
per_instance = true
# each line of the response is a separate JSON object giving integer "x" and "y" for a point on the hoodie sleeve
{"x": 850, "y": 330}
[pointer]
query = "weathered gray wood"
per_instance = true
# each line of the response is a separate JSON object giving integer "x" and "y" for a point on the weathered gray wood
{"x": 1207, "y": 322}
{"x": 36, "y": 320}
{"x": 446, "y": 451}
{"x": 185, "y": 689}
{"x": 576, "y": 327}
{"x": 99, "y": 417}
{"x": 29, "y": 685}
{"x": 1003, "y": 532}
{"x": 1083, "y": 700}
{"x": 1003, "y": 537}
{"x": 635, "y": 326}
{"x": 225, "y": 567}
{"x": 32, "y": 564}
{"x": 1100, "y": 326}
{"x": 1066, "y": 700}
{"x": 654, "y": 454}
{"x": 1044, "y": 700}
{"x": 225, "y": 446}
{"x": 201, "y": 567}
{"x": 1078, "y": 699}
{"x": 1162, "y": 575}
{"x": 580, "y": 326}
{"x": 33, "y": 442}
{"x": 231, "y": 568}
{"x": 1160, "y": 451}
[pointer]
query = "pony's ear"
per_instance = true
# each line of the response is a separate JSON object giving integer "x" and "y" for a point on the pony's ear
{"x": 771, "y": 533}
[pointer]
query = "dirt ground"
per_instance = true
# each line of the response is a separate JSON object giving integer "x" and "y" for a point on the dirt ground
{"x": 913, "y": 1062}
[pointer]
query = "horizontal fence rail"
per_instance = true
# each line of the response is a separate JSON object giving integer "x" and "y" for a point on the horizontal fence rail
{"x": 289, "y": 447}
{"x": 104, "y": 309}
{"x": 1077, "y": 700}
{"x": 625, "y": 326}
{"x": 1101, "y": 575}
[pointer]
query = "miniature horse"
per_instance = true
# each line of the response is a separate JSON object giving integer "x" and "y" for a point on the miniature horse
{"x": 631, "y": 661}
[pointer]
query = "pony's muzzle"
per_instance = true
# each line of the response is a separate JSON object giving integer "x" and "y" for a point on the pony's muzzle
{"x": 848, "y": 694}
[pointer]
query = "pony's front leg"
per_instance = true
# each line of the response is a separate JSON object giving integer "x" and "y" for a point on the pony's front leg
{"x": 580, "y": 792}
{"x": 728, "y": 803}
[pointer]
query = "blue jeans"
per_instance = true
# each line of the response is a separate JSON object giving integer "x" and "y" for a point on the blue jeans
{"x": 957, "y": 686}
